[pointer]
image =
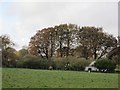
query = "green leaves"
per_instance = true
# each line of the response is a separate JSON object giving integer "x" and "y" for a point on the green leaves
{"x": 105, "y": 64}
{"x": 8, "y": 53}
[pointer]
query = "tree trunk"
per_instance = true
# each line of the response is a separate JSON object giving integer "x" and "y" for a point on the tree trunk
{"x": 51, "y": 51}
{"x": 95, "y": 54}
{"x": 61, "y": 49}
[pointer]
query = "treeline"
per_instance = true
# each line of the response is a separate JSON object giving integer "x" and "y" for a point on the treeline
{"x": 63, "y": 47}
{"x": 71, "y": 40}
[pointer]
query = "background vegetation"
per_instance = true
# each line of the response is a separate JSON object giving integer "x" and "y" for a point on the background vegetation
{"x": 53, "y": 50}
{"x": 64, "y": 47}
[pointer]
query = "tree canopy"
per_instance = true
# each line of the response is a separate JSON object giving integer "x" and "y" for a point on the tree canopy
{"x": 60, "y": 40}
{"x": 8, "y": 52}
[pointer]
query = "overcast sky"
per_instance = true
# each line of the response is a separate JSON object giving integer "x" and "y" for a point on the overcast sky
{"x": 21, "y": 20}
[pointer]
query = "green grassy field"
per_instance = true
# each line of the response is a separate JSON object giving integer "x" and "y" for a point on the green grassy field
{"x": 30, "y": 78}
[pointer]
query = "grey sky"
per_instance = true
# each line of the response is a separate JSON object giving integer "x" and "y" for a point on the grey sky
{"x": 21, "y": 20}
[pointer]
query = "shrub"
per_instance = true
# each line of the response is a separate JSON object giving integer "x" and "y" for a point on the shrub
{"x": 78, "y": 64}
{"x": 70, "y": 63}
{"x": 28, "y": 62}
{"x": 35, "y": 62}
{"x": 60, "y": 63}
{"x": 105, "y": 64}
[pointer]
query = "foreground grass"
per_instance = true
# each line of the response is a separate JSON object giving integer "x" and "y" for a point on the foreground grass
{"x": 30, "y": 78}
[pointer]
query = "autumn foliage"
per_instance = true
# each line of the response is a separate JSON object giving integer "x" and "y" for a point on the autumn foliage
{"x": 71, "y": 40}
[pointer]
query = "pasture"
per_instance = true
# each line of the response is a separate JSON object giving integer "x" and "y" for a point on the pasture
{"x": 32, "y": 78}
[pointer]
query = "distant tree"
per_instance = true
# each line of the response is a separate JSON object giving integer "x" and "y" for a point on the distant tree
{"x": 6, "y": 42}
{"x": 39, "y": 43}
{"x": 94, "y": 41}
{"x": 33, "y": 48}
{"x": 48, "y": 40}
{"x": 64, "y": 38}
{"x": 10, "y": 60}
{"x": 8, "y": 53}
{"x": 59, "y": 39}
{"x": 22, "y": 53}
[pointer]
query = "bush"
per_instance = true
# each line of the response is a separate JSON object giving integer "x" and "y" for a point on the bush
{"x": 71, "y": 63}
{"x": 60, "y": 63}
{"x": 35, "y": 62}
{"x": 78, "y": 64}
{"x": 105, "y": 64}
{"x": 28, "y": 62}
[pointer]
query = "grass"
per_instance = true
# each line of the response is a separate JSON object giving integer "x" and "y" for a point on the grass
{"x": 31, "y": 78}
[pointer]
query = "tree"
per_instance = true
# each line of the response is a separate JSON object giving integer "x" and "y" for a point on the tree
{"x": 61, "y": 39}
{"x": 10, "y": 57}
{"x": 39, "y": 43}
{"x": 52, "y": 37}
{"x": 6, "y": 42}
{"x": 8, "y": 53}
{"x": 33, "y": 48}
{"x": 66, "y": 38}
{"x": 94, "y": 41}
{"x": 48, "y": 40}
{"x": 22, "y": 53}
